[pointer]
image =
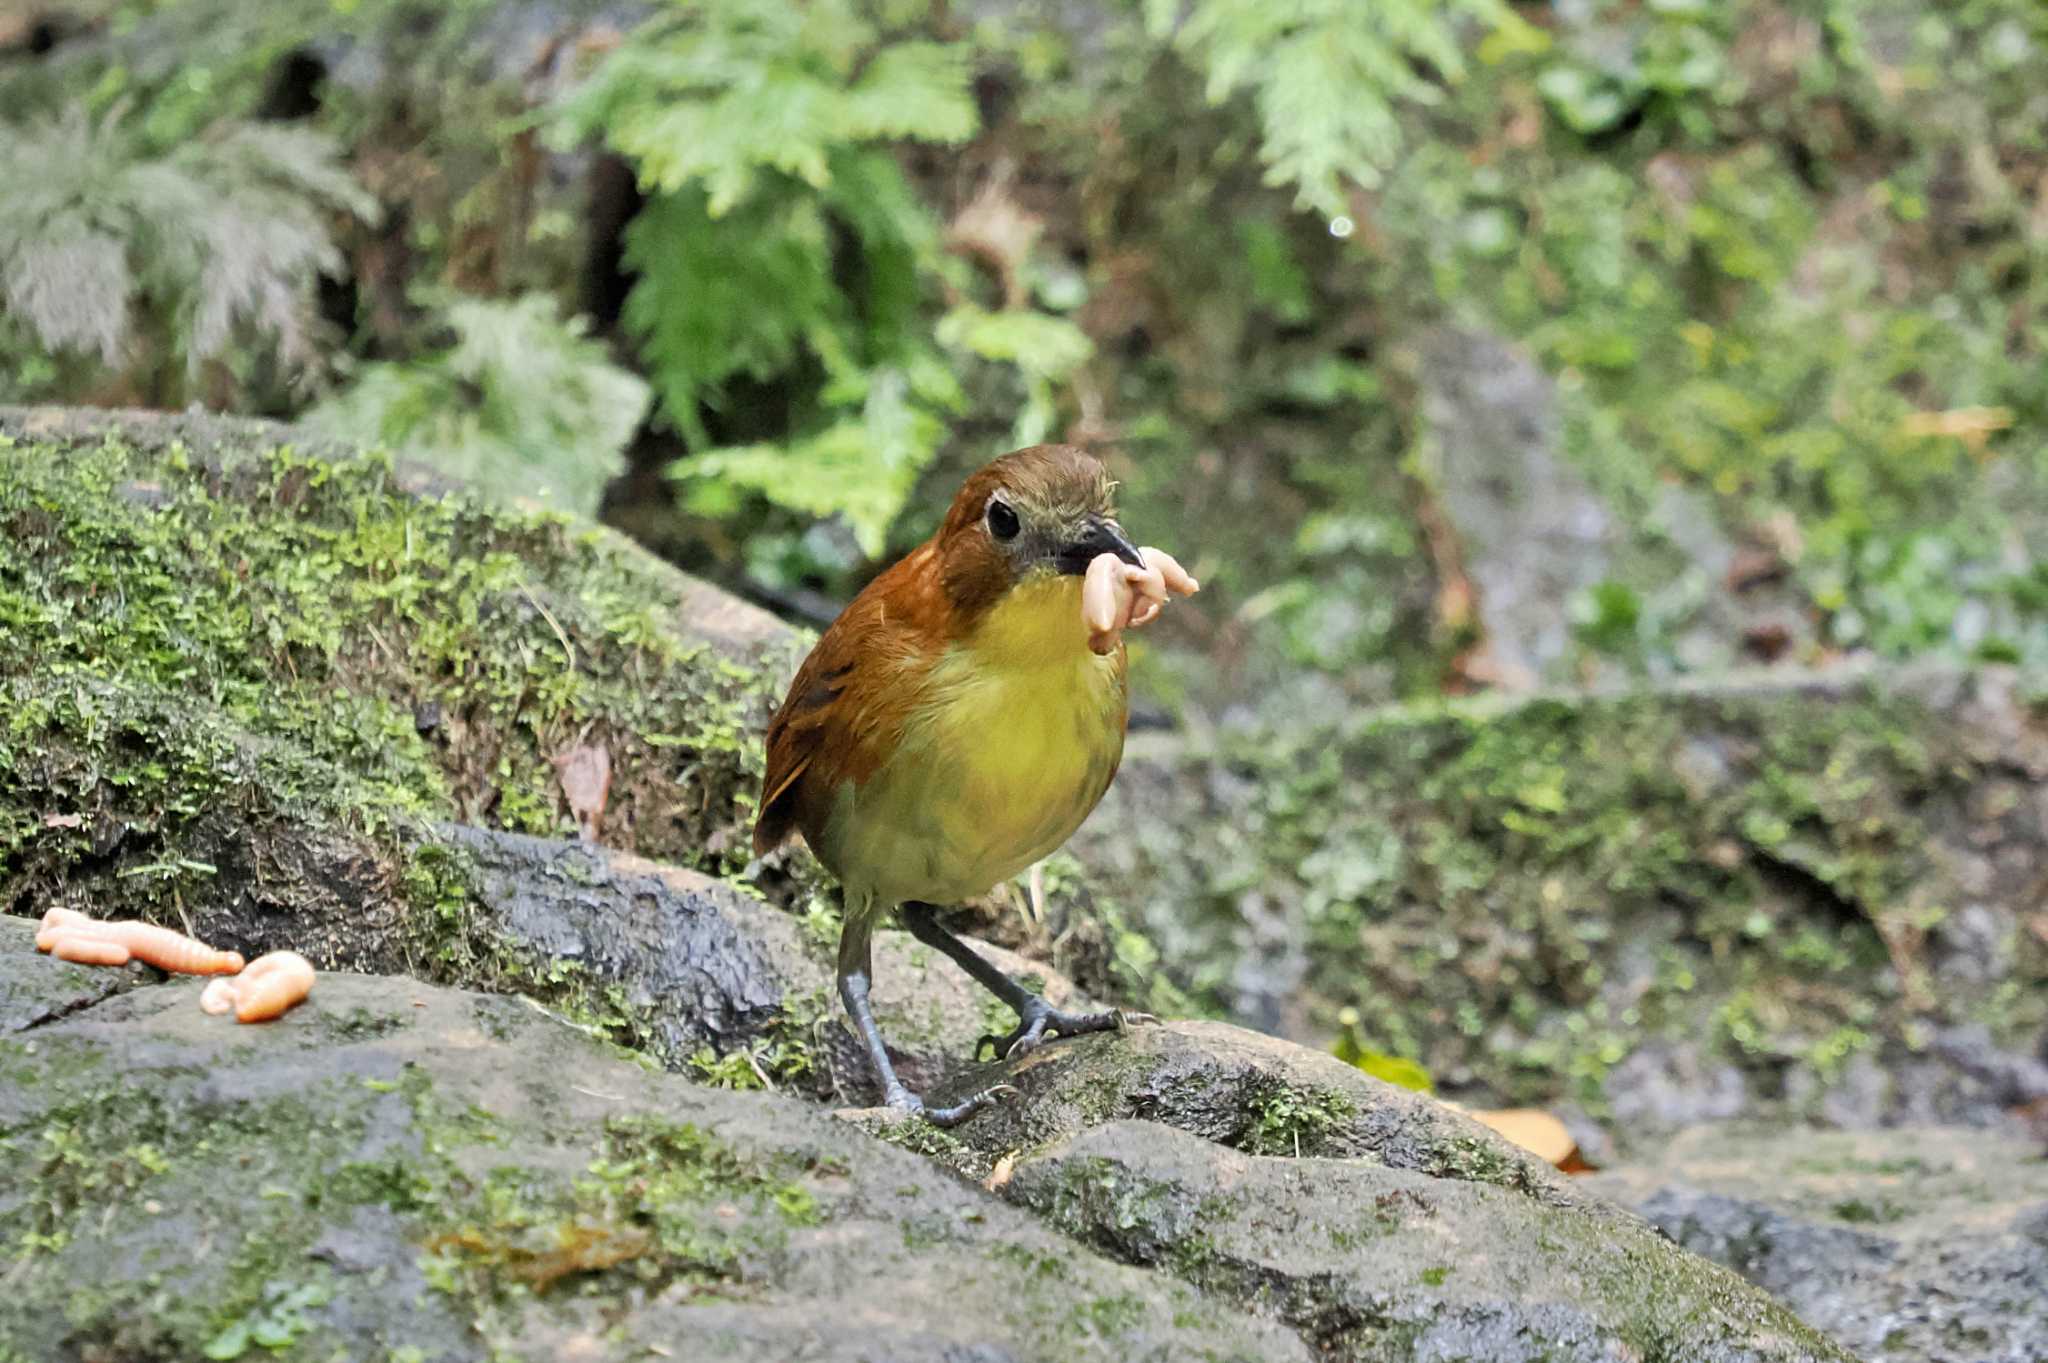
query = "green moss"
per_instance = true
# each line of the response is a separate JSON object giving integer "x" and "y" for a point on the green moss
{"x": 935, "y": 1143}
{"x": 219, "y": 670}
{"x": 1286, "y": 1120}
{"x": 109, "y": 1158}
{"x": 136, "y": 1162}
{"x": 1529, "y": 892}
{"x": 644, "y": 1210}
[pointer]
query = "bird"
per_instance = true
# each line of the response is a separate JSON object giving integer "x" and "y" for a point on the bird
{"x": 953, "y": 726}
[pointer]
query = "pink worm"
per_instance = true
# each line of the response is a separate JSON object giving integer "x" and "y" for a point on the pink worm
{"x": 1116, "y": 596}
{"x": 64, "y": 932}
{"x": 270, "y": 986}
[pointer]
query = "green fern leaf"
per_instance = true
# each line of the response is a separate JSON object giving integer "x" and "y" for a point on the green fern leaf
{"x": 700, "y": 305}
{"x": 913, "y": 90}
{"x": 522, "y": 403}
{"x": 862, "y": 468}
{"x": 223, "y": 238}
{"x": 1326, "y": 76}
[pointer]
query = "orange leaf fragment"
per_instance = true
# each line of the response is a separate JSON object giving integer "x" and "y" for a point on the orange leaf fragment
{"x": 1536, "y": 1131}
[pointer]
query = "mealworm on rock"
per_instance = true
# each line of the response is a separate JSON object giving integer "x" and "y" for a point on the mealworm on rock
{"x": 271, "y": 986}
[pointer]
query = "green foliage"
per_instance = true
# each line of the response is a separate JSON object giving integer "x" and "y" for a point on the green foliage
{"x": 156, "y": 263}
{"x": 1352, "y": 1050}
{"x": 1326, "y": 77}
{"x": 732, "y": 97}
{"x": 1286, "y": 1120}
{"x": 783, "y": 252}
{"x": 521, "y": 403}
{"x": 274, "y": 1325}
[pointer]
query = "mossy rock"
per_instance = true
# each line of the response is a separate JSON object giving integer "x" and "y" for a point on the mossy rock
{"x": 1910, "y": 1244}
{"x": 400, "y": 1171}
{"x": 1665, "y": 904}
{"x": 246, "y": 680}
{"x": 1377, "y": 1223}
{"x": 1385, "y": 1265}
{"x": 1240, "y": 1090}
{"x": 175, "y": 1185}
{"x": 293, "y": 696}
{"x": 206, "y": 622}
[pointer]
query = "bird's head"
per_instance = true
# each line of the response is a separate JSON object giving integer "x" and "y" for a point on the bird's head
{"x": 1032, "y": 516}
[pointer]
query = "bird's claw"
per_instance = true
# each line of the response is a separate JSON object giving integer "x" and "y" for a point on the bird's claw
{"x": 1040, "y": 1024}
{"x": 903, "y": 1100}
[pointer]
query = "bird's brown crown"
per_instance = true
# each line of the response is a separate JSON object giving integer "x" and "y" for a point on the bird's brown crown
{"x": 1012, "y": 518}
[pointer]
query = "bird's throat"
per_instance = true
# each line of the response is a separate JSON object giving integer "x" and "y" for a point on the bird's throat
{"x": 1035, "y": 624}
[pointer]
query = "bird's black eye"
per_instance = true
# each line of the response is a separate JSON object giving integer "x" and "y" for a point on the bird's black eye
{"x": 1002, "y": 520}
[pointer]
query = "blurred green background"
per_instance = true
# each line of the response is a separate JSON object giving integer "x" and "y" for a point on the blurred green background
{"x": 1454, "y": 345}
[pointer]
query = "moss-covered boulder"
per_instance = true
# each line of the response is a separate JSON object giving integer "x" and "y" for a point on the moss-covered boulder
{"x": 1779, "y": 892}
{"x": 1388, "y": 1265}
{"x": 209, "y": 629}
{"x": 290, "y": 695}
{"x": 697, "y": 975}
{"x": 399, "y": 1170}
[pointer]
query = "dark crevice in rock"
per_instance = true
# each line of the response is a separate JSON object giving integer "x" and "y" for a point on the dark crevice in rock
{"x": 71, "y": 1008}
{"x": 1803, "y": 885}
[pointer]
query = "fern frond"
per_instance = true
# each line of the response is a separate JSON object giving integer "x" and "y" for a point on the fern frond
{"x": 913, "y": 90}
{"x": 224, "y": 237}
{"x": 862, "y": 468}
{"x": 1326, "y": 76}
{"x": 733, "y": 89}
{"x": 719, "y": 298}
{"x": 522, "y": 402}
{"x": 71, "y": 288}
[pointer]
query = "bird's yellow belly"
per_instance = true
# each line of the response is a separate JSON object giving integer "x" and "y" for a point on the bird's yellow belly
{"x": 993, "y": 774}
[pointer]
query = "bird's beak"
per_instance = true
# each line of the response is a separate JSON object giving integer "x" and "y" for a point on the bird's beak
{"x": 1100, "y": 537}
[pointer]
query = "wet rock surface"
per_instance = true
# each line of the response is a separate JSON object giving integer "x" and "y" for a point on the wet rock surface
{"x": 176, "y": 1184}
{"x": 676, "y": 963}
{"x": 1918, "y": 1245}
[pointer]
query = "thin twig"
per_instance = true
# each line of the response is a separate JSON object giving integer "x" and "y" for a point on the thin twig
{"x": 568, "y": 650}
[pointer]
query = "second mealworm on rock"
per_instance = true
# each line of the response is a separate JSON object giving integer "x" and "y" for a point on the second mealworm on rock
{"x": 271, "y": 986}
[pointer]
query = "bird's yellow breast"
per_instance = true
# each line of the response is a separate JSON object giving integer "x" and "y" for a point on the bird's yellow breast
{"x": 1015, "y": 734}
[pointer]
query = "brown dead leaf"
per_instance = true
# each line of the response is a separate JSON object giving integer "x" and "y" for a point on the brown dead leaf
{"x": 1536, "y": 1131}
{"x": 585, "y": 772}
{"x": 1000, "y": 1175}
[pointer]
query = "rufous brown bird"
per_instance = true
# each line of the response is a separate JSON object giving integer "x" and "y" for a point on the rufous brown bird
{"x": 954, "y": 726}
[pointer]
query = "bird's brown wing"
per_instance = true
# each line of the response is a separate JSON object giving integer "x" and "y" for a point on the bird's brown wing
{"x": 846, "y": 708}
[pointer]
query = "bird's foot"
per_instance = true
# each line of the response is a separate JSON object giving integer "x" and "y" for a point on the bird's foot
{"x": 1041, "y": 1022}
{"x": 903, "y": 1100}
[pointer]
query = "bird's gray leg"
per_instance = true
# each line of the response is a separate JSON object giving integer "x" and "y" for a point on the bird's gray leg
{"x": 1035, "y": 1017}
{"x": 855, "y": 967}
